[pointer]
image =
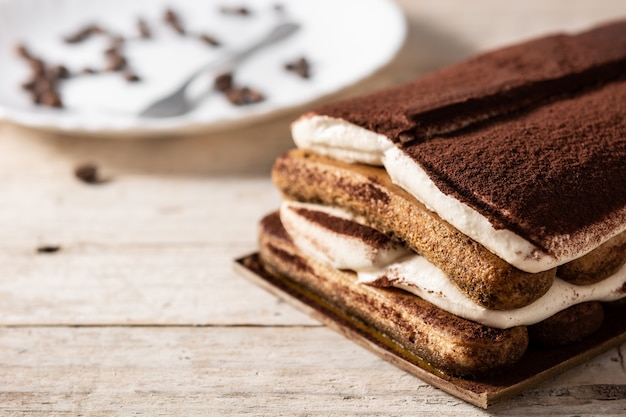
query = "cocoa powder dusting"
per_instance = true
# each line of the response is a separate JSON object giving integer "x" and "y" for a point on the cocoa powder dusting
{"x": 271, "y": 225}
{"x": 345, "y": 227}
{"x": 531, "y": 136}
{"x": 488, "y": 85}
{"x": 556, "y": 170}
{"x": 368, "y": 193}
{"x": 296, "y": 261}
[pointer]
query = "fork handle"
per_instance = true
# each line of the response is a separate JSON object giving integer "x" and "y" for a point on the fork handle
{"x": 228, "y": 63}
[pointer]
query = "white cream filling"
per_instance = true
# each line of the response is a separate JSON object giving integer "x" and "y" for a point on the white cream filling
{"x": 335, "y": 249}
{"x": 353, "y": 144}
{"x": 509, "y": 246}
{"x": 333, "y": 137}
{"x": 415, "y": 274}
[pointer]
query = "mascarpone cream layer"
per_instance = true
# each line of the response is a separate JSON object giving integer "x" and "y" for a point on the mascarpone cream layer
{"x": 415, "y": 274}
{"x": 344, "y": 141}
{"x": 350, "y": 143}
{"x": 328, "y": 246}
{"x": 509, "y": 246}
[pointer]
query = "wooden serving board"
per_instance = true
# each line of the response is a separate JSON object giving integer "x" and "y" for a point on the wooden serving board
{"x": 536, "y": 366}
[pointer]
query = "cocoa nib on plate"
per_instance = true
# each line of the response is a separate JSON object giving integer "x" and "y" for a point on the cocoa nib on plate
{"x": 173, "y": 20}
{"x": 300, "y": 67}
{"x": 237, "y": 95}
{"x": 209, "y": 40}
{"x": 241, "y": 96}
{"x": 235, "y": 10}
{"x": 84, "y": 33}
{"x": 224, "y": 82}
{"x": 42, "y": 85}
{"x": 144, "y": 29}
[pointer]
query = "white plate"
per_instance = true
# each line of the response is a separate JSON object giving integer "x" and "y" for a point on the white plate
{"x": 344, "y": 40}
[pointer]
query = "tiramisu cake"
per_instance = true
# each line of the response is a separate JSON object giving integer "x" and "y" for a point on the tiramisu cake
{"x": 472, "y": 214}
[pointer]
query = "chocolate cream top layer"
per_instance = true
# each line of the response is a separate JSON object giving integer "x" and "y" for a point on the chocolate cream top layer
{"x": 490, "y": 84}
{"x": 532, "y": 137}
{"x": 558, "y": 170}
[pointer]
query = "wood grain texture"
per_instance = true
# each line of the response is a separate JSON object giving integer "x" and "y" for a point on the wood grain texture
{"x": 243, "y": 371}
{"x": 140, "y": 312}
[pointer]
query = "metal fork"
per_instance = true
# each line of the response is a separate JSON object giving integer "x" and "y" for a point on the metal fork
{"x": 177, "y": 102}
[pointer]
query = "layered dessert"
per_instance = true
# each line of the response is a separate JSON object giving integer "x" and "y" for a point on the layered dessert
{"x": 471, "y": 213}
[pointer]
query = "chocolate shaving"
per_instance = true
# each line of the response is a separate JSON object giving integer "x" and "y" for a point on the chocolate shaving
{"x": 209, "y": 40}
{"x": 130, "y": 76}
{"x": 172, "y": 19}
{"x": 58, "y": 72}
{"x": 300, "y": 67}
{"x": 22, "y": 51}
{"x": 224, "y": 82}
{"x": 50, "y": 98}
{"x": 117, "y": 41}
{"x": 43, "y": 82}
{"x": 37, "y": 67}
{"x": 28, "y": 85}
{"x": 115, "y": 62}
{"x": 237, "y": 95}
{"x": 235, "y": 10}
{"x": 244, "y": 95}
{"x": 143, "y": 29}
{"x": 84, "y": 33}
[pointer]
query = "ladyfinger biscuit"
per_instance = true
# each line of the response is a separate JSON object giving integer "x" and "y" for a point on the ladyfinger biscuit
{"x": 569, "y": 325}
{"x": 449, "y": 343}
{"x": 597, "y": 264}
{"x": 368, "y": 192}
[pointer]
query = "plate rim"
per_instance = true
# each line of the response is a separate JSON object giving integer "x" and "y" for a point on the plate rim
{"x": 83, "y": 123}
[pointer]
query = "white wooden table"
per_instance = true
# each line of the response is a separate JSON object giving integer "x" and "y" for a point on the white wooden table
{"x": 140, "y": 311}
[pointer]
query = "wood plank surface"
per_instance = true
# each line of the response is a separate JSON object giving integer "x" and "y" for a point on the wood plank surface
{"x": 140, "y": 311}
{"x": 231, "y": 371}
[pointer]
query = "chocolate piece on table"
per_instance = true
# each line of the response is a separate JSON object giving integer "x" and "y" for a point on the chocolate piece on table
{"x": 88, "y": 173}
{"x": 48, "y": 249}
